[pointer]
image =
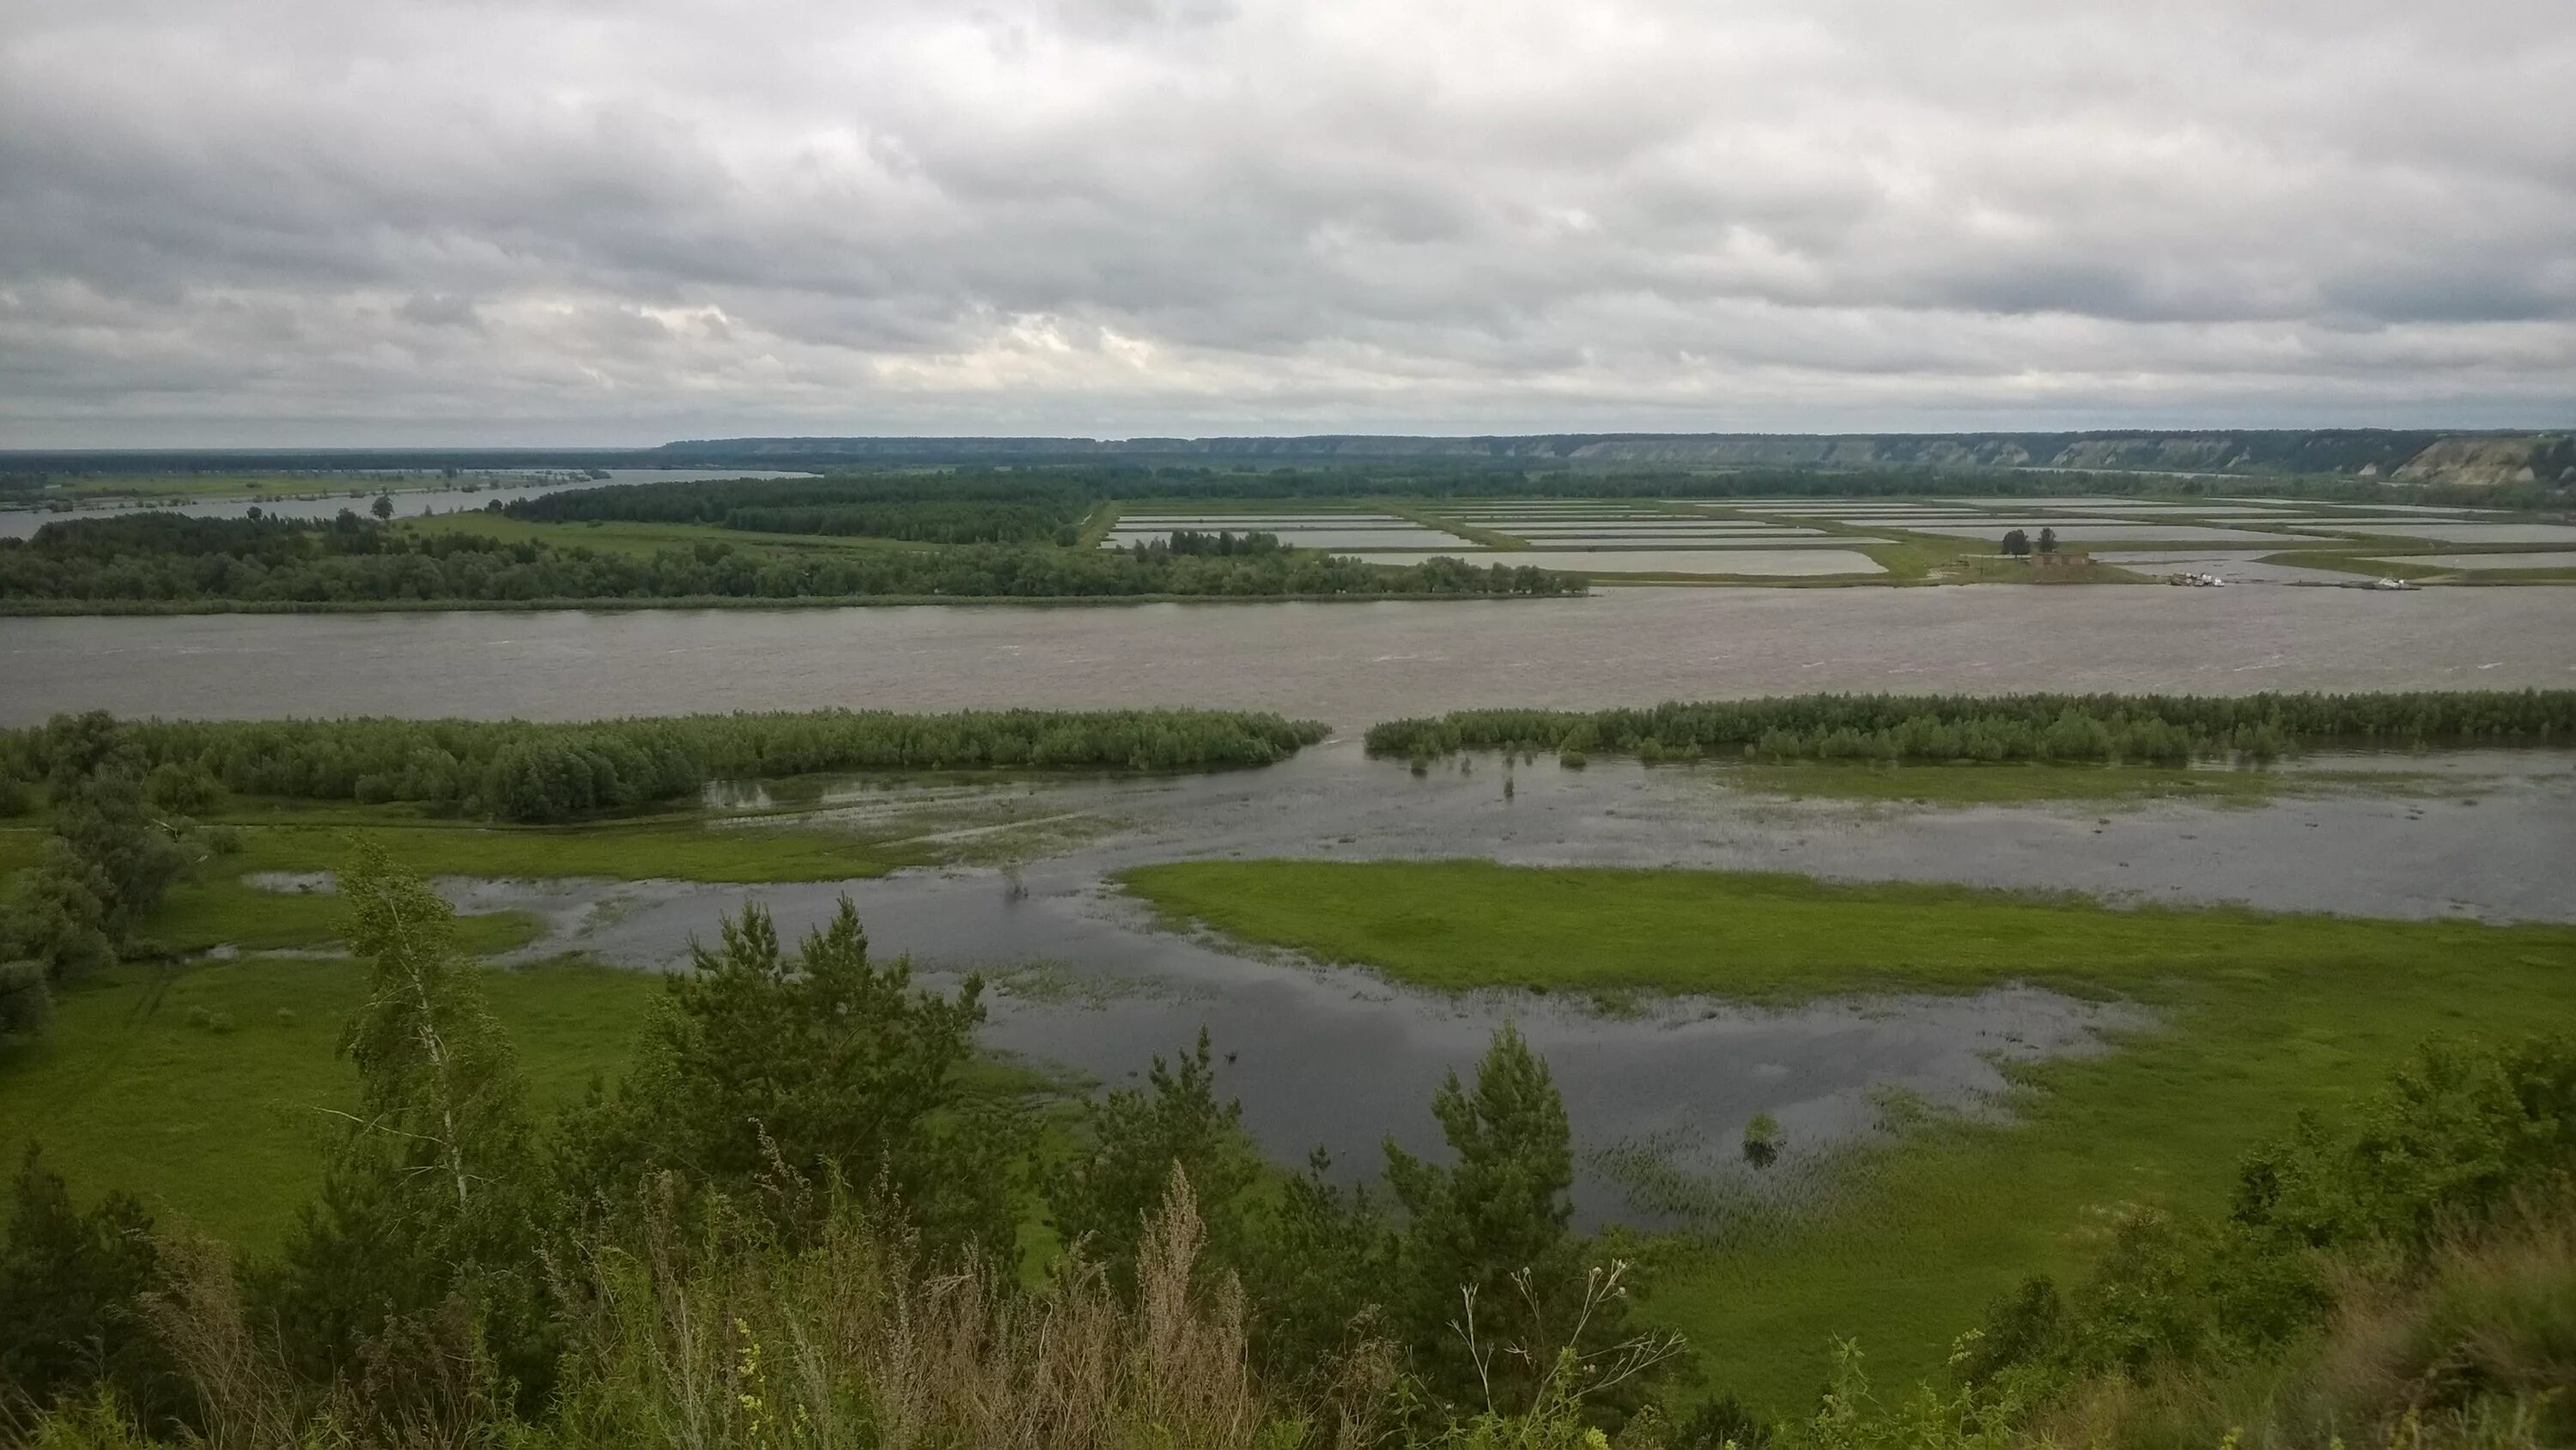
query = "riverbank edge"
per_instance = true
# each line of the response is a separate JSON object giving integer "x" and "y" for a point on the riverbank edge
{"x": 99, "y": 608}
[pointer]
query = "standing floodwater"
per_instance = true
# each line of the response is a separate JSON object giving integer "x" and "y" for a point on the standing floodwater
{"x": 1337, "y": 1057}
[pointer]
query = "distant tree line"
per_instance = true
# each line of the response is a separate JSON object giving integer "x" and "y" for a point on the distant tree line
{"x": 977, "y": 508}
{"x": 515, "y": 770}
{"x": 2138, "y": 728}
{"x": 1223, "y": 543}
{"x": 168, "y": 558}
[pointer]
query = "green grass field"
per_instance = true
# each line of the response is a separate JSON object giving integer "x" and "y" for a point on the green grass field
{"x": 2263, "y": 1016}
{"x": 226, "y": 1129}
{"x": 1455, "y": 925}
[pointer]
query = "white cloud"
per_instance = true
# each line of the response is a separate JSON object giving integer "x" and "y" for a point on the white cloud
{"x": 296, "y": 220}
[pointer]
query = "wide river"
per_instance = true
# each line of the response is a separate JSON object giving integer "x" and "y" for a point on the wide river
{"x": 1348, "y": 664}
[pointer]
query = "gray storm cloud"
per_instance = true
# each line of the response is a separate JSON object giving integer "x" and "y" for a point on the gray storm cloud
{"x": 283, "y": 221}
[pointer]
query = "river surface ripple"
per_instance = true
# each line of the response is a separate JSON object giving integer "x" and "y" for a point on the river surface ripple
{"x": 1349, "y": 664}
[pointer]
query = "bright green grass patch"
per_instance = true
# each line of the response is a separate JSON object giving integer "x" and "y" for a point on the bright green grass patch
{"x": 227, "y": 1129}
{"x": 220, "y": 910}
{"x": 1464, "y": 924}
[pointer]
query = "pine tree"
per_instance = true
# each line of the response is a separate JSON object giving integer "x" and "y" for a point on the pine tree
{"x": 825, "y": 1065}
{"x": 1490, "y": 1229}
{"x": 70, "y": 1280}
{"x": 1103, "y": 1193}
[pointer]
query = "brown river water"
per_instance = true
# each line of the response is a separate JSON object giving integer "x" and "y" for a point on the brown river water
{"x": 1347, "y": 664}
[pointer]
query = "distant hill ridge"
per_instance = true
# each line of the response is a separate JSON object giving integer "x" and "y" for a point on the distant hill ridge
{"x": 2408, "y": 455}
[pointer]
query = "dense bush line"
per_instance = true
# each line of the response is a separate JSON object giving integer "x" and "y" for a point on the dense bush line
{"x": 168, "y": 558}
{"x": 518, "y": 771}
{"x": 1222, "y": 542}
{"x": 2134, "y": 728}
{"x": 976, "y": 509}
{"x": 2422, "y": 1249}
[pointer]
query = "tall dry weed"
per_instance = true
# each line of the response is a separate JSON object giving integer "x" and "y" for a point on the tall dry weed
{"x": 857, "y": 1342}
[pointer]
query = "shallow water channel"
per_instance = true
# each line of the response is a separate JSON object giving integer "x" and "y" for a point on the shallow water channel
{"x": 1338, "y": 1057}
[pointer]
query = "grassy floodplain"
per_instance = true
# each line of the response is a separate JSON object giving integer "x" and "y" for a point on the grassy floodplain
{"x": 206, "y": 1092}
{"x": 203, "y": 1087}
{"x": 2262, "y": 1016}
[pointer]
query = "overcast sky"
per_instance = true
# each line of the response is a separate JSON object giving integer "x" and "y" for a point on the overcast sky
{"x": 360, "y": 221}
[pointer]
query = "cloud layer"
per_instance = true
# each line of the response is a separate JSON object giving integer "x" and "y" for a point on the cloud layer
{"x": 276, "y": 221}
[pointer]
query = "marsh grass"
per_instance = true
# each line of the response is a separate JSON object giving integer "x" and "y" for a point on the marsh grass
{"x": 1904, "y": 1238}
{"x": 1458, "y": 925}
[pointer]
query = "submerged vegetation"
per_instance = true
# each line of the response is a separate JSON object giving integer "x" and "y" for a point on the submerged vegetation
{"x": 2151, "y": 729}
{"x": 515, "y": 770}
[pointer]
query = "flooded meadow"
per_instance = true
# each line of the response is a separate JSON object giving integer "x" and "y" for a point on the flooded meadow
{"x": 1086, "y": 980}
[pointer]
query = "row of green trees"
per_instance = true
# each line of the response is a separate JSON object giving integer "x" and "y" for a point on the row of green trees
{"x": 121, "y": 837}
{"x": 455, "y": 1266}
{"x": 165, "y": 559}
{"x": 2137, "y": 728}
{"x": 1221, "y": 542}
{"x": 518, "y": 770}
{"x": 962, "y": 507}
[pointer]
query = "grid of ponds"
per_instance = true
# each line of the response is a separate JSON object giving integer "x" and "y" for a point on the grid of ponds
{"x": 2517, "y": 559}
{"x": 1742, "y": 563}
{"x": 1820, "y": 537}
